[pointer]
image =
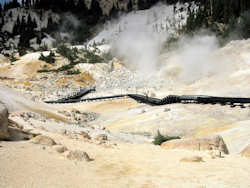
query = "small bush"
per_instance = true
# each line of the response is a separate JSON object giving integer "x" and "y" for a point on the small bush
{"x": 93, "y": 58}
{"x": 44, "y": 70}
{"x": 70, "y": 54}
{"x": 159, "y": 139}
{"x": 65, "y": 67}
{"x": 71, "y": 72}
{"x": 48, "y": 59}
{"x": 12, "y": 58}
{"x": 107, "y": 56}
{"x": 22, "y": 51}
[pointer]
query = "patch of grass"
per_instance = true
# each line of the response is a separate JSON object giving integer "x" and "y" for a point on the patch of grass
{"x": 159, "y": 139}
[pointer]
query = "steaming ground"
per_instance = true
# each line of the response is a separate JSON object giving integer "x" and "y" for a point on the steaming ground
{"x": 196, "y": 66}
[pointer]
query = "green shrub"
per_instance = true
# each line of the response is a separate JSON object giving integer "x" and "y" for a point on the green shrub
{"x": 44, "y": 70}
{"x": 65, "y": 67}
{"x": 93, "y": 58}
{"x": 12, "y": 58}
{"x": 71, "y": 72}
{"x": 159, "y": 139}
{"x": 107, "y": 56}
{"x": 48, "y": 59}
{"x": 70, "y": 54}
{"x": 22, "y": 51}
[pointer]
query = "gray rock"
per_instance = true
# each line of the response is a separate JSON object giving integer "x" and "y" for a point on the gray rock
{"x": 3, "y": 122}
{"x": 215, "y": 142}
{"x": 79, "y": 156}
{"x": 43, "y": 140}
{"x": 60, "y": 148}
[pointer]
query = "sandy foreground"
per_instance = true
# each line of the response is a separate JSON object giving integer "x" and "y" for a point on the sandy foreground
{"x": 24, "y": 164}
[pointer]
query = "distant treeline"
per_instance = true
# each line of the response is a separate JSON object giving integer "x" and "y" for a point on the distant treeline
{"x": 220, "y": 10}
{"x": 233, "y": 14}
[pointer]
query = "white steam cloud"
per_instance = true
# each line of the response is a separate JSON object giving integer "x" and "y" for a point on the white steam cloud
{"x": 195, "y": 58}
{"x": 139, "y": 47}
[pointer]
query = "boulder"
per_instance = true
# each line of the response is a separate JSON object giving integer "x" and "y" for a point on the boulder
{"x": 3, "y": 122}
{"x": 246, "y": 152}
{"x": 192, "y": 159}
{"x": 17, "y": 134}
{"x": 79, "y": 156}
{"x": 60, "y": 148}
{"x": 206, "y": 143}
{"x": 44, "y": 140}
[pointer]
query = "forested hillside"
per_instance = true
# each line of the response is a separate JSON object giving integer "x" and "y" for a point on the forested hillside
{"x": 29, "y": 22}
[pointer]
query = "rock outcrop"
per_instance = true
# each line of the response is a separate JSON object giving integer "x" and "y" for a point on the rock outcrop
{"x": 3, "y": 122}
{"x": 246, "y": 152}
{"x": 206, "y": 143}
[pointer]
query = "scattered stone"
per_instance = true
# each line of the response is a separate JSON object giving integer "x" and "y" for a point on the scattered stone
{"x": 100, "y": 142}
{"x": 44, "y": 140}
{"x": 79, "y": 156}
{"x": 215, "y": 154}
{"x": 4, "y": 122}
{"x": 85, "y": 135}
{"x": 60, "y": 148}
{"x": 246, "y": 152}
{"x": 43, "y": 148}
{"x": 206, "y": 143}
{"x": 192, "y": 159}
{"x": 167, "y": 110}
{"x": 142, "y": 111}
{"x": 101, "y": 137}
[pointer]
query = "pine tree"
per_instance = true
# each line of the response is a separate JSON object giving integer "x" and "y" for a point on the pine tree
{"x": 130, "y": 5}
{"x": 34, "y": 24}
{"x": 22, "y": 25}
{"x": 94, "y": 13}
{"x": 16, "y": 28}
{"x": 29, "y": 24}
